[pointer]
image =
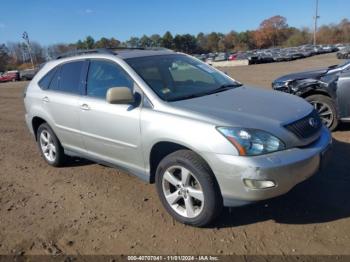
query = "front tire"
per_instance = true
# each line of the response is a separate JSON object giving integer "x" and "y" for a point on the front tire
{"x": 49, "y": 146}
{"x": 326, "y": 108}
{"x": 188, "y": 189}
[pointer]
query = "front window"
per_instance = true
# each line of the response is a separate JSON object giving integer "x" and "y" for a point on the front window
{"x": 104, "y": 75}
{"x": 177, "y": 77}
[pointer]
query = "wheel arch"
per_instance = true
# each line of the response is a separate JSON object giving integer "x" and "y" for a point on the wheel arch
{"x": 161, "y": 149}
{"x": 314, "y": 91}
{"x": 36, "y": 122}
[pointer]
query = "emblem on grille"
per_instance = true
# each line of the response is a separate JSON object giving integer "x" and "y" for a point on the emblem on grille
{"x": 313, "y": 122}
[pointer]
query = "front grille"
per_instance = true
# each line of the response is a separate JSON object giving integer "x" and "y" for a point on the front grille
{"x": 306, "y": 127}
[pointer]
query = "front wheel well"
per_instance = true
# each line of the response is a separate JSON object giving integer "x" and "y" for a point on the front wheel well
{"x": 314, "y": 92}
{"x": 158, "y": 152}
{"x": 36, "y": 122}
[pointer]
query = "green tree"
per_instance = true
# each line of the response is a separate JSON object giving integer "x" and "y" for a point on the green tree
{"x": 167, "y": 40}
{"x": 230, "y": 40}
{"x": 156, "y": 40}
{"x": 202, "y": 43}
{"x": 80, "y": 44}
{"x": 213, "y": 41}
{"x": 298, "y": 37}
{"x": 107, "y": 43}
{"x": 185, "y": 43}
{"x": 245, "y": 40}
{"x": 89, "y": 42}
{"x": 145, "y": 41}
{"x": 133, "y": 42}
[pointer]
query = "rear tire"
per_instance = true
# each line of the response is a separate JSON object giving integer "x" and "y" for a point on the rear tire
{"x": 326, "y": 108}
{"x": 49, "y": 146}
{"x": 196, "y": 202}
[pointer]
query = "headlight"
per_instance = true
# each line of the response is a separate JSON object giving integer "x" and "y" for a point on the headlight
{"x": 278, "y": 85}
{"x": 252, "y": 142}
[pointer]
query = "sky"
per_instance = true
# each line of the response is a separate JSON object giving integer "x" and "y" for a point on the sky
{"x": 63, "y": 21}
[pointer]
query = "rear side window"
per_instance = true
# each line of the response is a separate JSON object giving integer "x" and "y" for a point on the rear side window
{"x": 104, "y": 75}
{"x": 44, "y": 83}
{"x": 70, "y": 75}
{"x": 65, "y": 78}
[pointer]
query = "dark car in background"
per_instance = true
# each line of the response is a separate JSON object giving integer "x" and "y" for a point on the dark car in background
{"x": 28, "y": 74}
{"x": 221, "y": 57}
{"x": 327, "y": 89}
{"x": 344, "y": 53}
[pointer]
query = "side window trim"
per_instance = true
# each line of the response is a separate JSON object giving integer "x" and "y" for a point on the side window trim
{"x": 58, "y": 72}
{"x": 84, "y": 77}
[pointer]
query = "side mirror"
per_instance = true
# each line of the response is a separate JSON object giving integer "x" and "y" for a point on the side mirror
{"x": 120, "y": 95}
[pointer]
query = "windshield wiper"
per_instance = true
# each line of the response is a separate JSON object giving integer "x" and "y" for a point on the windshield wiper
{"x": 222, "y": 88}
{"x": 185, "y": 97}
{"x": 333, "y": 66}
{"x": 216, "y": 90}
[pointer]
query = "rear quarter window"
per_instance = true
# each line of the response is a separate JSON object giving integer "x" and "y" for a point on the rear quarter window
{"x": 65, "y": 78}
{"x": 44, "y": 83}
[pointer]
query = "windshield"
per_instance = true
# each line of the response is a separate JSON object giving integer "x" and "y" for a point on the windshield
{"x": 176, "y": 77}
{"x": 345, "y": 64}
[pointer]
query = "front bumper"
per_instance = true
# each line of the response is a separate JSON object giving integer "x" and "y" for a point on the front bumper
{"x": 286, "y": 168}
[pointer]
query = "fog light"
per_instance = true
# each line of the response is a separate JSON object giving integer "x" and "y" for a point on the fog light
{"x": 258, "y": 184}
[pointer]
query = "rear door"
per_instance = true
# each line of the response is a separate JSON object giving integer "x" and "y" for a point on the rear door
{"x": 61, "y": 101}
{"x": 111, "y": 132}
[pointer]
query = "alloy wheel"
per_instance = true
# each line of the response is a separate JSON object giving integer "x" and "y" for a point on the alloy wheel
{"x": 183, "y": 191}
{"x": 324, "y": 111}
{"x": 47, "y": 146}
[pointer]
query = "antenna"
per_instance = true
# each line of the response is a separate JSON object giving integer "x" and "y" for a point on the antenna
{"x": 27, "y": 42}
{"x": 315, "y": 25}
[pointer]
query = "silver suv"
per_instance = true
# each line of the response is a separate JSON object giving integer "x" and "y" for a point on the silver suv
{"x": 203, "y": 138}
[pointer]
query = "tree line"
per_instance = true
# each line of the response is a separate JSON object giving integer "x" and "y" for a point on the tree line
{"x": 272, "y": 32}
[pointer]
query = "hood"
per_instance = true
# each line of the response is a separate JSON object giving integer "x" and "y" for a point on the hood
{"x": 246, "y": 107}
{"x": 314, "y": 74}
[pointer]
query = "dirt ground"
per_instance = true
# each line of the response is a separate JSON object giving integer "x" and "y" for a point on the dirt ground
{"x": 86, "y": 208}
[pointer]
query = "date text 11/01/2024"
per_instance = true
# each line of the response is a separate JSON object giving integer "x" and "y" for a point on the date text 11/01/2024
{"x": 172, "y": 258}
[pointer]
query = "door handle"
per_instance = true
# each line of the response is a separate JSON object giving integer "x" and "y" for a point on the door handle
{"x": 45, "y": 99}
{"x": 84, "y": 107}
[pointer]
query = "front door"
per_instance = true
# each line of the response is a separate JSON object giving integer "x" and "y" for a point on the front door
{"x": 110, "y": 132}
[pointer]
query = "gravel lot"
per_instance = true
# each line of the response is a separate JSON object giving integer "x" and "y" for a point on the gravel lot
{"x": 87, "y": 208}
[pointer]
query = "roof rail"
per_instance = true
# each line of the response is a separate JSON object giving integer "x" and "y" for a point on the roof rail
{"x": 106, "y": 51}
{"x": 85, "y": 51}
{"x": 138, "y": 48}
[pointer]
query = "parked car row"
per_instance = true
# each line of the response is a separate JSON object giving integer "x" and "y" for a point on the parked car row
{"x": 270, "y": 55}
{"x": 15, "y": 75}
{"x": 9, "y": 76}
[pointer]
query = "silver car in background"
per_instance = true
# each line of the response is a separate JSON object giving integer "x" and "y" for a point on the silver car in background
{"x": 203, "y": 138}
